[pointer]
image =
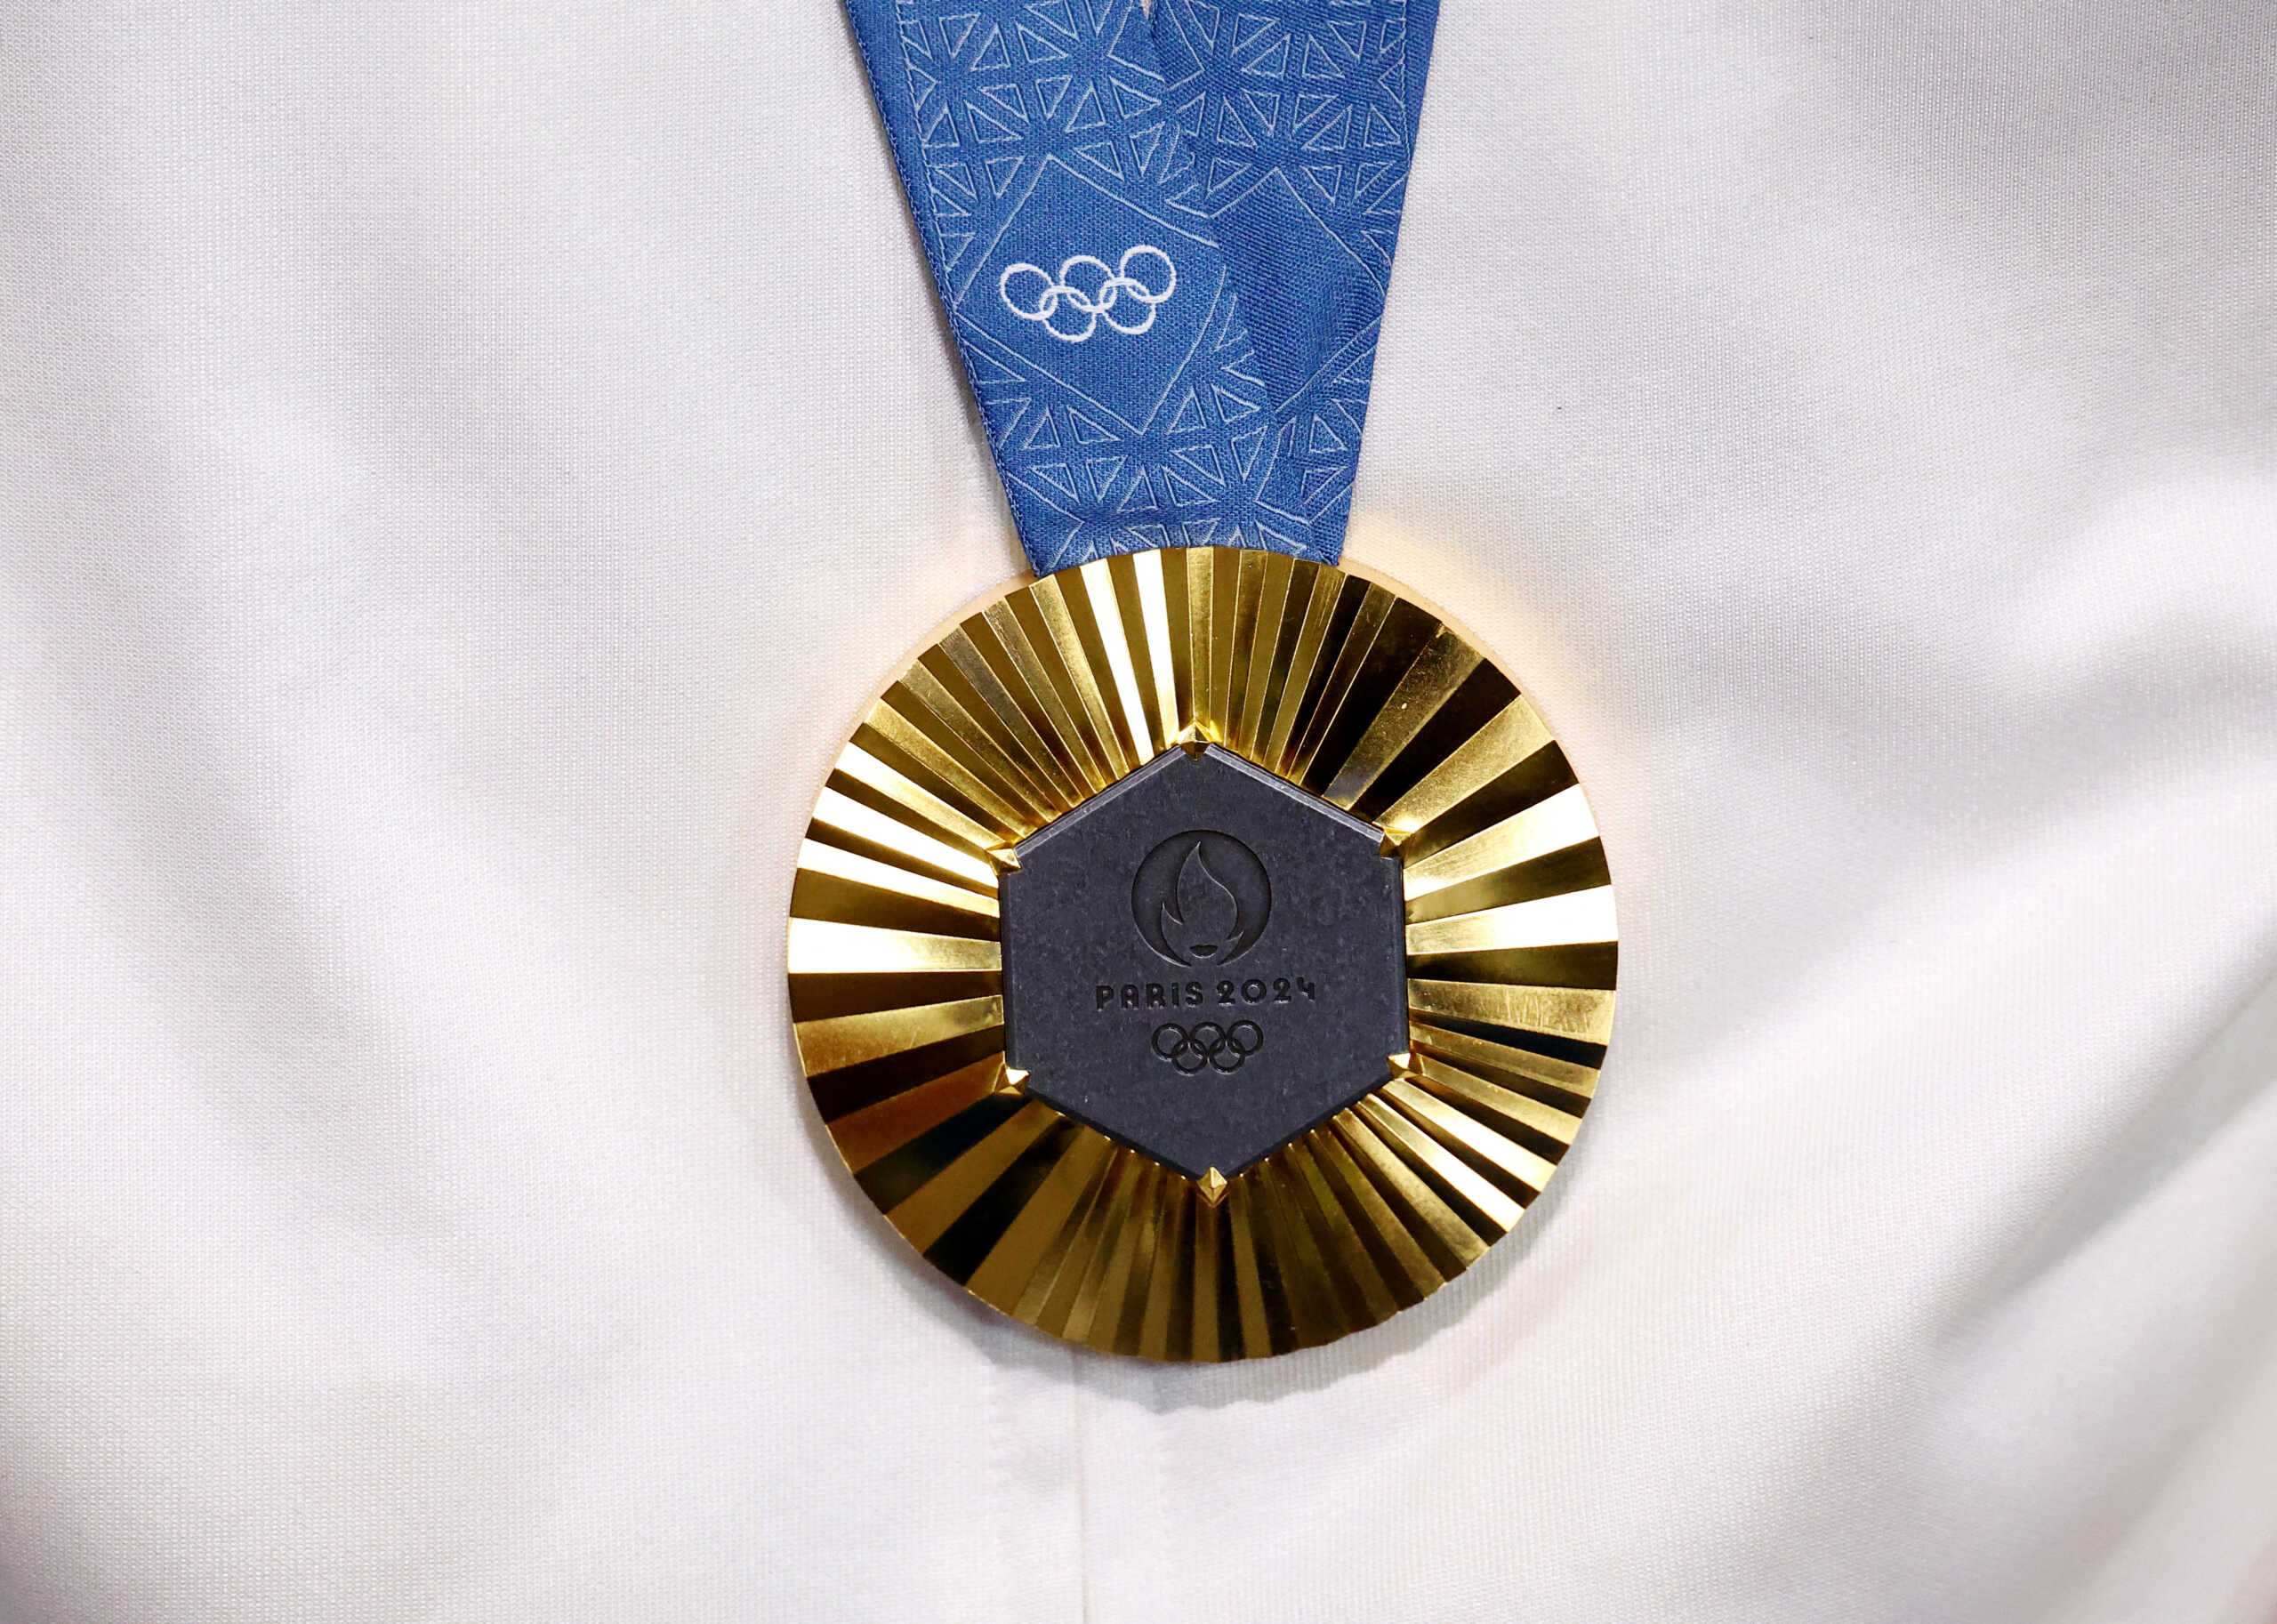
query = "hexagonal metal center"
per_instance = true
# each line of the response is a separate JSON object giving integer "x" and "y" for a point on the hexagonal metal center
{"x": 1204, "y": 962}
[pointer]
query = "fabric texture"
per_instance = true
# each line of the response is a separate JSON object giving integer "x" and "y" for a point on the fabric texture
{"x": 1100, "y": 326}
{"x": 462, "y": 468}
{"x": 1302, "y": 114}
{"x": 1230, "y": 183}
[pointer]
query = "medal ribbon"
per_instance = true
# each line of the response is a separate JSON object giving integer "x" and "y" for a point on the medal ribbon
{"x": 1163, "y": 244}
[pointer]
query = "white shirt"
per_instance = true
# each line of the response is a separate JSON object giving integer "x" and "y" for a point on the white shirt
{"x": 462, "y": 468}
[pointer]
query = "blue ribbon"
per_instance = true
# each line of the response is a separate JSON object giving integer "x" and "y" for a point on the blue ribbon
{"x": 1163, "y": 246}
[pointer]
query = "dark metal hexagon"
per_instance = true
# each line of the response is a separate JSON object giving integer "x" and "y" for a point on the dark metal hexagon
{"x": 1204, "y": 962}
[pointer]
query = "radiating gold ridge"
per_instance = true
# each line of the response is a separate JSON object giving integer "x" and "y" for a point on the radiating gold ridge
{"x": 1056, "y": 689}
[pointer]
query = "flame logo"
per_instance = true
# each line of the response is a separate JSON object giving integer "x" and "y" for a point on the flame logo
{"x": 1201, "y": 898}
{"x": 1207, "y": 915}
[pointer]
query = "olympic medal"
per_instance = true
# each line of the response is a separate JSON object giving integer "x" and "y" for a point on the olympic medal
{"x": 1202, "y": 954}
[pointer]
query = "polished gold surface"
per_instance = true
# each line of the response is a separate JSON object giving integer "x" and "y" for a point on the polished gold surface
{"x": 1049, "y": 692}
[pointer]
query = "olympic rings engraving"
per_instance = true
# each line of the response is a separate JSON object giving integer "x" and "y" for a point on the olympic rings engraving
{"x": 1091, "y": 289}
{"x": 1223, "y": 1048}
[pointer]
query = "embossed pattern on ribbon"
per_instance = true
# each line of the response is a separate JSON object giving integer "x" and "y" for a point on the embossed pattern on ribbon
{"x": 1303, "y": 113}
{"x": 1030, "y": 137}
{"x": 1102, "y": 242}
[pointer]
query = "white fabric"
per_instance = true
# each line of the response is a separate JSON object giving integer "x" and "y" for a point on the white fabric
{"x": 462, "y": 467}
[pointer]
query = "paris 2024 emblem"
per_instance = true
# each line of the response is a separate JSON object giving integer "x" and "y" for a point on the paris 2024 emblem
{"x": 1201, "y": 898}
{"x": 1202, "y": 961}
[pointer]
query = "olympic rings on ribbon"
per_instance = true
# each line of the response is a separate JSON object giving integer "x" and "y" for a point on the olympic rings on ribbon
{"x": 1208, "y": 1044}
{"x": 1091, "y": 289}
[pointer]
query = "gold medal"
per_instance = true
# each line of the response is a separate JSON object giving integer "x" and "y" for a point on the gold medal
{"x": 1202, "y": 954}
